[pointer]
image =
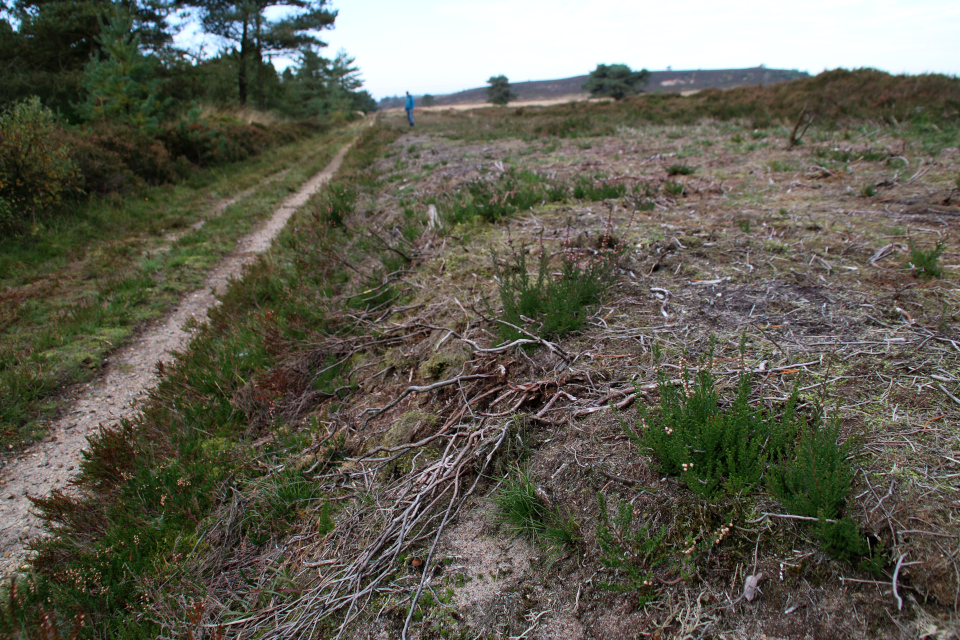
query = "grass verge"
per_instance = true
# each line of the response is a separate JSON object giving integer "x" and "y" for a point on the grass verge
{"x": 78, "y": 289}
{"x": 127, "y": 545}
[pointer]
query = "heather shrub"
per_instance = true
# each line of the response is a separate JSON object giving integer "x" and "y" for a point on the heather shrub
{"x": 494, "y": 200}
{"x": 714, "y": 448}
{"x": 208, "y": 142}
{"x": 101, "y": 170}
{"x": 112, "y": 158}
{"x": 558, "y": 305}
{"x": 816, "y": 480}
{"x": 35, "y": 168}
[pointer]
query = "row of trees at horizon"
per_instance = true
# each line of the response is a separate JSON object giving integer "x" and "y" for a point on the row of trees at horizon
{"x": 116, "y": 59}
{"x": 616, "y": 81}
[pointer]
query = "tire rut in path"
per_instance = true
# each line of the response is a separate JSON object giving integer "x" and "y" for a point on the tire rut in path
{"x": 130, "y": 374}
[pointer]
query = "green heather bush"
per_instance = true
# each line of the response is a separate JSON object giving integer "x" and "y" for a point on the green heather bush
{"x": 35, "y": 168}
{"x": 633, "y": 551}
{"x": 559, "y": 305}
{"x": 815, "y": 480}
{"x": 926, "y": 262}
{"x": 557, "y": 191}
{"x": 713, "y": 448}
{"x": 597, "y": 190}
{"x": 730, "y": 449}
{"x": 493, "y": 200}
{"x": 115, "y": 158}
{"x": 336, "y": 203}
{"x": 673, "y": 188}
{"x": 680, "y": 170}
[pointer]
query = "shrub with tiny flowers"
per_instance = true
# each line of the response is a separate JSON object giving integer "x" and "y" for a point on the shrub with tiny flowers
{"x": 630, "y": 549}
{"x": 713, "y": 448}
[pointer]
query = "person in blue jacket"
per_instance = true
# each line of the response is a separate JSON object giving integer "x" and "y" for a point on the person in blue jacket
{"x": 409, "y": 108}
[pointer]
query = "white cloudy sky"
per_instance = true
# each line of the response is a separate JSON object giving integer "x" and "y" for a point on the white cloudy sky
{"x": 440, "y": 46}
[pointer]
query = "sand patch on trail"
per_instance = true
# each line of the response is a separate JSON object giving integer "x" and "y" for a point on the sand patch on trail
{"x": 130, "y": 374}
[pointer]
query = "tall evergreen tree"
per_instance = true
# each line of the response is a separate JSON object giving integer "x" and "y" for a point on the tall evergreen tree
{"x": 320, "y": 86}
{"x": 499, "y": 92}
{"x": 616, "y": 81}
{"x": 121, "y": 82}
{"x": 243, "y": 24}
{"x": 55, "y": 39}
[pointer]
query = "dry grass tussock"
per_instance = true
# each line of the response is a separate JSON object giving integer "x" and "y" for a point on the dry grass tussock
{"x": 244, "y": 115}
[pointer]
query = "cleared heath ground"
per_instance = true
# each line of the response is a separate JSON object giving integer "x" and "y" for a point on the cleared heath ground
{"x": 445, "y": 405}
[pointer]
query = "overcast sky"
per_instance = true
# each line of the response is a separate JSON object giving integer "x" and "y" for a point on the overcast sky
{"x": 442, "y": 46}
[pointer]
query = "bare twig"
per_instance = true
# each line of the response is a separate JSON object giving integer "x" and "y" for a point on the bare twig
{"x": 896, "y": 573}
{"x": 553, "y": 347}
{"x": 423, "y": 389}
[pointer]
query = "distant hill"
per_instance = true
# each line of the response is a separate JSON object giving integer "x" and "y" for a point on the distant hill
{"x": 660, "y": 81}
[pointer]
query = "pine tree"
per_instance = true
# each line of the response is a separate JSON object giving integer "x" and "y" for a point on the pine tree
{"x": 499, "y": 92}
{"x": 244, "y": 23}
{"x": 121, "y": 83}
{"x": 616, "y": 81}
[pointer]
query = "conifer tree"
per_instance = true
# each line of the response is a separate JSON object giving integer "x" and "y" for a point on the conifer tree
{"x": 243, "y": 23}
{"x": 499, "y": 92}
{"x": 121, "y": 83}
{"x": 616, "y": 81}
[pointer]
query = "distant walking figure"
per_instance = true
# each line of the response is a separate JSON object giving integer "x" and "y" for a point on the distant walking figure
{"x": 409, "y": 108}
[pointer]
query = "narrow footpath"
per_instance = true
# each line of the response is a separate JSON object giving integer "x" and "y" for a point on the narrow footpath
{"x": 130, "y": 374}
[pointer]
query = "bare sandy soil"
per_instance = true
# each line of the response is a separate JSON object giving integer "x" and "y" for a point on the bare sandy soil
{"x": 131, "y": 372}
{"x": 520, "y": 103}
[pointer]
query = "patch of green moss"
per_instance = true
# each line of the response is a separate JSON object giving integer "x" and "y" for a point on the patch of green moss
{"x": 447, "y": 361}
{"x": 403, "y": 429}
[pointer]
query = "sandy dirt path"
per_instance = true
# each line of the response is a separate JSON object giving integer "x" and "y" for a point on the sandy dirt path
{"x": 130, "y": 374}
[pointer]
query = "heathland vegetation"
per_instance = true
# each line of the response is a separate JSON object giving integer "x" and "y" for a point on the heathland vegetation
{"x": 96, "y": 99}
{"x": 113, "y": 143}
{"x": 684, "y": 366}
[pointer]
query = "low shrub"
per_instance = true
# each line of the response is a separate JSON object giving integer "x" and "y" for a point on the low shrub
{"x": 680, "y": 170}
{"x": 815, "y": 480}
{"x": 713, "y": 448}
{"x": 630, "y": 549}
{"x": 35, "y": 168}
{"x": 926, "y": 262}
{"x": 336, "y": 203}
{"x": 494, "y": 200}
{"x": 102, "y": 170}
{"x": 732, "y": 449}
{"x": 597, "y": 190}
{"x": 673, "y": 188}
{"x": 115, "y": 158}
{"x": 560, "y": 304}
